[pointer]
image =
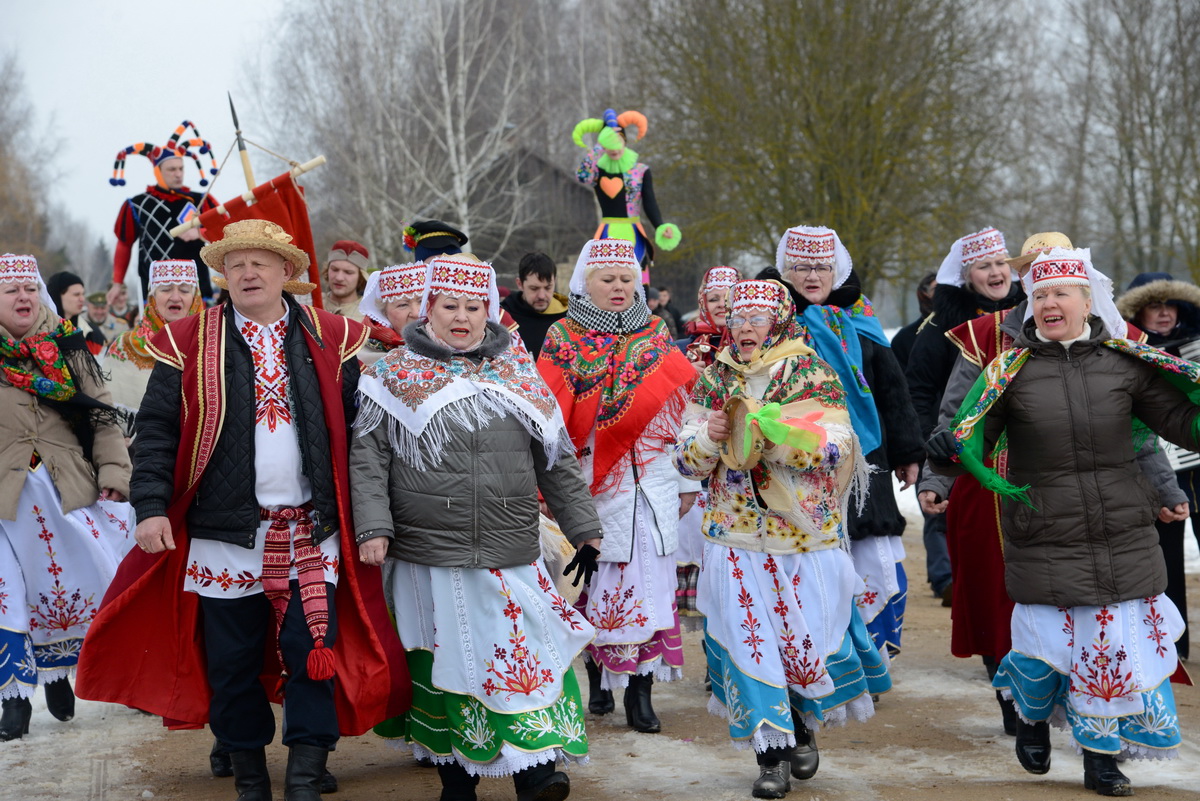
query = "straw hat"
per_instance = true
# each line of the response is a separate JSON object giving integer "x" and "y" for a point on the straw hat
{"x": 1039, "y": 243}
{"x": 257, "y": 235}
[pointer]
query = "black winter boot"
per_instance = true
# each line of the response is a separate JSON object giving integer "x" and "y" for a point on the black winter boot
{"x": 218, "y": 760}
{"x": 805, "y": 759}
{"x": 772, "y": 781}
{"x": 639, "y": 714}
{"x": 305, "y": 767}
{"x": 1008, "y": 714}
{"x": 14, "y": 723}
{"x": 1033, "y": 746}
{"x": 1100, "y": 773}
{"x": 457, "y": 784}
{"x": 541, "y": 783}
{"x": 60, "y": 699}
{"x": 250, "y": 776}
{"x": 600, "y": 702}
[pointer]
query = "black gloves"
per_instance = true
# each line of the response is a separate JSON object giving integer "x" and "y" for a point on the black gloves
{"x": 942, "y": 446}
{"x": 584, "y": 564}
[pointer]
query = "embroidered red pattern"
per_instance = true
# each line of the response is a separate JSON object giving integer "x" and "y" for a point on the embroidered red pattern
{"x": 517, "y": 668}
{"x": 270, "y": 373}
{"x": 66, "y": 609}
{"x": 1100, "y": 671}
{"x": 618, "y": 607}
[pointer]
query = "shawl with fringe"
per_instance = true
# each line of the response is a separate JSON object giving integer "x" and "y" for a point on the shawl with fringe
{"x": 424, "y": 399}
{"x": 594, "y": 374}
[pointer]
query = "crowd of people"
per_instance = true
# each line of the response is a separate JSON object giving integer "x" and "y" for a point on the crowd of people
{"x": 414, "y": 509}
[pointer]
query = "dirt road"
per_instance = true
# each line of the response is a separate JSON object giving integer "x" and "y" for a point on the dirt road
{"x": 935, "y": 737}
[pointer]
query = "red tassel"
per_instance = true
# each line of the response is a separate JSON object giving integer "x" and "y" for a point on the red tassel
{"x": 320, "y": 662}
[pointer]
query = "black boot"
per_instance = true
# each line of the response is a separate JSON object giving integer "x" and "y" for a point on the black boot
{"x": 60, "y": 699}
{"x": 1100, "y": 773}
{"x": 14, "y": 723}
{"x": 541, "y": 783}
{"x": 639, "y": 713}
{"x": 600, "y": 702}
{"x": 772, "y": 781}
{"x": 305, "y": 767}
{"x": 250, "y": 776}
{"x": 1033, "y": 746}
{"x": 218, "y": 760}
{"x": 457, "y": 784}
{"x": 1008, "y": 713}
{"x": 328, "y": 782}
{"x": 805, "y": 759}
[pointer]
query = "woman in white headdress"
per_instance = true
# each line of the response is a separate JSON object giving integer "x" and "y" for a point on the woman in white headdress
{"x": 1093, "y": 634}
{"x": 391, "y": 300}
{"x": 64, "y": 476}
{"x": 457, "y": 435}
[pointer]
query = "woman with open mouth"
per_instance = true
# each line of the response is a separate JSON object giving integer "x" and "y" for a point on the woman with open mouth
{"x": 622, "y": 385}
{"x": 1093, "y": 634}
{"x": 786, "y": 647}
{"x": 838, "y": 322}
{"x": 64, "y": 476}
{"x": 456, "y": 436}
{"x": 174, "y": 294}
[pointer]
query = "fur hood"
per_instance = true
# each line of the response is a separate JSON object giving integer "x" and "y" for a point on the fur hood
{"x": 1160, "y": 291}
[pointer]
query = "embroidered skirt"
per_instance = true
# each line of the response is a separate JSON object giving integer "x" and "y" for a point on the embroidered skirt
{"x": 785, "y": 640}
{"x": 879, "y": 561}
{"x": 54, "y": 571}
{"x": 632, "y": 606}
{"x": 1101, "y": 671}
{"x": 490, "y": 655}
{"x": 688, "y": 558}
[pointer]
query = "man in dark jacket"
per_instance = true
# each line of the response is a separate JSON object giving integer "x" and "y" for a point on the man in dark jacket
{"x": 264, "y": 501}
{"x": 535, "y": 305}
{"x": 902, "y": 343}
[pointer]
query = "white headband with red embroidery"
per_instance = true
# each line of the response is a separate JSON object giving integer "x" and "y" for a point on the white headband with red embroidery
{"x": 392, "y": 282}
{"x": 807, "y": 244}
{"x": 23, "y": 269}
{"x": 985, "y": 244}
{"x": 1073, "y": 267}
{"x": 461, "y": 276}
{"x": 173, "y": 271}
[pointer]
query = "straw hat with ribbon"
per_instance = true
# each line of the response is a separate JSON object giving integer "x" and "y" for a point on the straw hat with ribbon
{"x": 258, "y": 235}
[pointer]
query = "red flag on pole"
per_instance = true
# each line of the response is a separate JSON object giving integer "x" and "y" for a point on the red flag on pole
{"x": 280, "y": 200}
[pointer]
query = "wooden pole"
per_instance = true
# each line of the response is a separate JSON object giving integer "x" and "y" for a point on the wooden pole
{"x": 241, "y": 144}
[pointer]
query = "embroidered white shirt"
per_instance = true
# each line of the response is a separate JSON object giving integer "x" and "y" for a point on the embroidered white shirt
{"x": 224, "y": 570}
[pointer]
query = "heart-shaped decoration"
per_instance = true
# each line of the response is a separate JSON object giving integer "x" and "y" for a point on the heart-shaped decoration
{"x": 611, "y": 186}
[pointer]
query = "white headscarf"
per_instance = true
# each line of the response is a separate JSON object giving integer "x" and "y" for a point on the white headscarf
{"x": 24, "y": 269}
{"x": 461, "y": 276}
{"x": 1058, "y": 267}
{"x": 813, "y": 243}
{"x": 600, "y": 253}
{"x": 969, "y": 249}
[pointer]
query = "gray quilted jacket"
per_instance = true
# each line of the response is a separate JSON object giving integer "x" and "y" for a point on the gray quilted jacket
{"x": 478, "y": 507}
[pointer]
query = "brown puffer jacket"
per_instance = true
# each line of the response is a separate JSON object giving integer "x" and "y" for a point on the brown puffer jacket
{"x": 1090, "y": 539}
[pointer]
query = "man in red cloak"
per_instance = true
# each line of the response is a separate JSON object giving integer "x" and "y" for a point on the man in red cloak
{"x": 246, "y": 586}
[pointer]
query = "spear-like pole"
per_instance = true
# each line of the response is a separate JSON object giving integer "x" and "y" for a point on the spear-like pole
{"x": 241, "y": 144}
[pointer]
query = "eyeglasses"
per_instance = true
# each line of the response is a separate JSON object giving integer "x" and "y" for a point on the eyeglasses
{"x": 758, "y": 321}
{"x": 815, "y": 269}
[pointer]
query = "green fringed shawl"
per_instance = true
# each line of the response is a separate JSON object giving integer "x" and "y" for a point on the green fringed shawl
{"x": 997, "y": 376}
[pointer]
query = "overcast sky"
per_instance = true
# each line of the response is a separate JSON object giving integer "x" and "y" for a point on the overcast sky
{"x": 111, "y": 75}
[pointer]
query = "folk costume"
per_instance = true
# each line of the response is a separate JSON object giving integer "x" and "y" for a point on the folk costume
{"x": 1093, "y": 635}
{"x": 59, "y": 542}
{"x": 623, "y": 185}
{"x": 707, "y": 337}
{"x": 394, "y": 282}
{"x": 452, "y": 448}
{"x": 786, "y": 645}
{"x": 147, "y": 218}
{"x": 845, "y": 334}
{"x": 252, "y": 474}
{"x": 932, "y": 358}
{"x": 622, "y": 386}
{"x": 127, "y": 359}
{"x": 1182, "y": 340}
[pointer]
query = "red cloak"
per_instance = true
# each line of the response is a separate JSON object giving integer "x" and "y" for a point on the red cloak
{"x": 145, "y": 647}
